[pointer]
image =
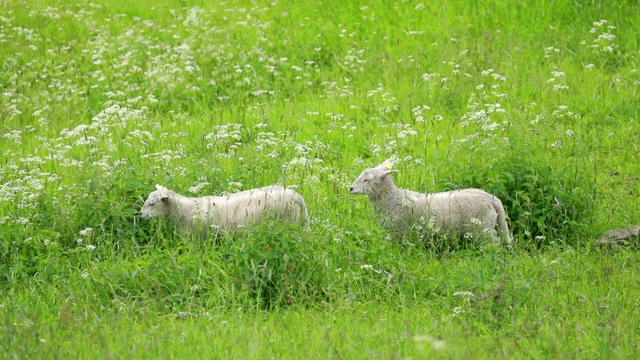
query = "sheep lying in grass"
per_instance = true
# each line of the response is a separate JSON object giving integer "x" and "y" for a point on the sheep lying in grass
{"x": 467, "y": 212}
{"x": 225, "y": 214}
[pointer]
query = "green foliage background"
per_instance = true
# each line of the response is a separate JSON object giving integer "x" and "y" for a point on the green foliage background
{"x": 536, "y": 103}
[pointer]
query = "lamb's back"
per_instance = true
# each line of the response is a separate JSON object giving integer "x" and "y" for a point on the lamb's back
{"x": 458, "y": 208}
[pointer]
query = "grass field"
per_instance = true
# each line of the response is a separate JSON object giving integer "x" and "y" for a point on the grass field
{"x": 536, "y": 103}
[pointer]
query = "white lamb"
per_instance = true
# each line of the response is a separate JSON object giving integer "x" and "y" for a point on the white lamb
{"x": 467, "y": 212}
{"x": 225, "y": 214}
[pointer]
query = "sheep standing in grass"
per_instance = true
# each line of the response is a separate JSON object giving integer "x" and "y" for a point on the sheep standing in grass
{"x": 467, "y": 212}
{"x": 225, "y": 214}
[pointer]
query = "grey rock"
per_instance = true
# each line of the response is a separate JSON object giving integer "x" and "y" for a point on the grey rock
{"x": 621, "y": 236}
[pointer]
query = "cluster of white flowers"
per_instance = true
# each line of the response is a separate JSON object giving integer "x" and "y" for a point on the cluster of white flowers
{"x": 558, "y": 80}
{"x": 605, "y": 40}
{"x": 225, "y": 139}
{"x": 369, "y": 267}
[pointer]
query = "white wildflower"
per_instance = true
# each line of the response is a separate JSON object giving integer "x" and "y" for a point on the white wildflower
{"x": 466, "y": 294}
{"x": 86, "y": 232}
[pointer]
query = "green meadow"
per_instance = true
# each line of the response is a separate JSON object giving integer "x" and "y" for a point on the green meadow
{"x": 536, "y": 102}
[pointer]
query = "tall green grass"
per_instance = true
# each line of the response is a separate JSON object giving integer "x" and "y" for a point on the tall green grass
{"x": 536, "y": 103}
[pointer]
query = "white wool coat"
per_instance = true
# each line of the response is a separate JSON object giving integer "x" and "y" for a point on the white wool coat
{"x": 226, "y": 213}
{"x": 466, "y": 212}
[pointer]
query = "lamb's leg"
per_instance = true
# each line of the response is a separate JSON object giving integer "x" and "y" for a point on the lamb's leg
{"x": 493, "y": 235}
{"x": 501, "y": 222}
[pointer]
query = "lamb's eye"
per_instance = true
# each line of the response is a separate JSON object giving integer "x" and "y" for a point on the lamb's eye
{"x": 365, "y": 180}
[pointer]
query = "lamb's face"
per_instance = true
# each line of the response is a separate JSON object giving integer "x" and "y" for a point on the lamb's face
{"x": 154, "y": 205}
{"x": 362, "y": 183}
{"x": 367, "y": 182}
{"x": 373, "y": 180}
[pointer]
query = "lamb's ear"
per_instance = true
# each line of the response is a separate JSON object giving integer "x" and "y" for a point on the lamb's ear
{"x": 163, "y": 192}
{"x": 387, "y": 164}
{"x": 386, "y": 167}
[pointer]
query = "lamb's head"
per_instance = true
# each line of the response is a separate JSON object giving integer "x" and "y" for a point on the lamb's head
{"x": 374, "y": 180}
{"x": 157, "y": 204}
